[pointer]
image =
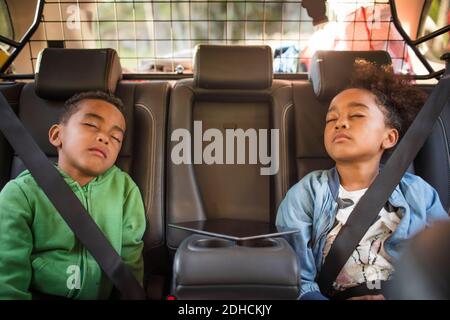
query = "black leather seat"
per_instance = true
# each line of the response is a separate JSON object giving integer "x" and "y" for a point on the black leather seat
{"x": 217, "y": 269}
{"x": 232, "y": 88}
{"x": 433, "y": 161}
{"x": 64, "y": 72}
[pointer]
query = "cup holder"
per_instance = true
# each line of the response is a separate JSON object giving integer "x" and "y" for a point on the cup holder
{"x": 213, "y": 243}
{"x": 259, "y": 243}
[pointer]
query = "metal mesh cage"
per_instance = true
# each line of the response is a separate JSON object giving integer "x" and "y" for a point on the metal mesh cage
{"x": 159, "y": 36}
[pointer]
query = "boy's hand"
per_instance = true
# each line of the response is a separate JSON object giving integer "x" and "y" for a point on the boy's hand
{"x": 369, "y": 297}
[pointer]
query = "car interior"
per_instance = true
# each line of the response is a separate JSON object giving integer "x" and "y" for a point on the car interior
{"x": 232, "y": 86}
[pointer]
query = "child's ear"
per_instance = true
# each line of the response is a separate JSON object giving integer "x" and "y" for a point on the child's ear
{"x": 391, "y": 139}
{"x": 54, "y": 135}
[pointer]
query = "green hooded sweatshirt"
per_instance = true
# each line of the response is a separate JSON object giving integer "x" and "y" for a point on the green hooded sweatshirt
{"x": 39, "y": 252}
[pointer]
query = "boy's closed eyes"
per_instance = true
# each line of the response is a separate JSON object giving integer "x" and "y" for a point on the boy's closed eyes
{"x": 95, "y": 121}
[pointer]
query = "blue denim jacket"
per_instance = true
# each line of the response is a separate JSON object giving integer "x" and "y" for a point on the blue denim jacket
{"x": 311, "y": 206}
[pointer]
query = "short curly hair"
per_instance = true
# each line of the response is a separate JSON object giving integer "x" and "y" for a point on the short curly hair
{"x": 72, "y": 104}
{"x": 399, "y": 99}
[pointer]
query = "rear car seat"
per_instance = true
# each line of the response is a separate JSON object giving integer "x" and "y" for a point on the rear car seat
{"x": 330, "y": 74}
{"x": 232, "y": 88}
{"x": 433, "y": 161}
{"x": 64, "y": 72}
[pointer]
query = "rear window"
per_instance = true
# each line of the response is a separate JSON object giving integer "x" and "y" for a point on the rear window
{"x": 160, "y": 36}
{"x": 437, "y": 15}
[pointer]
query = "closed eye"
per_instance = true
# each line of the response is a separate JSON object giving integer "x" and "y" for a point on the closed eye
{"x": 330, "y": 120}
{"x": 117, "y": 139}
{"x": 90, "y": 124}
{"x": 357, "y": 116}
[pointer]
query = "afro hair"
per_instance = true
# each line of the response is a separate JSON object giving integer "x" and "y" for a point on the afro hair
{"x": 400, "y": 101}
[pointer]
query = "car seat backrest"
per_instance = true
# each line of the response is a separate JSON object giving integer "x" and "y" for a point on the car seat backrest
{"x": 232, "y": 89}
{"x": 64, "y": 72}
{"x": 147, "y": 103}
{"x": 11, "y": 92}
{"x": 433, "y": 161}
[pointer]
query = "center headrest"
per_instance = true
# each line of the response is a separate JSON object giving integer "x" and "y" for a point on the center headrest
{"x": 64, "y": 72}
{"x": 233, "y": 67}
{"x": 331, "y": 70}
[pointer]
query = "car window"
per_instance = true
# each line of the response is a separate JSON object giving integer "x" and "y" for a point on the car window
{"x": 160, "y": 36}
{"x": 6, "y": 29}
{"x": 437, "y": 16}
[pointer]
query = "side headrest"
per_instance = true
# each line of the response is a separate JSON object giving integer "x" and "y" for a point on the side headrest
{"x": 331, "y": 70}
{"x": 233, "y": 67}
{"x": 64, "y": 72}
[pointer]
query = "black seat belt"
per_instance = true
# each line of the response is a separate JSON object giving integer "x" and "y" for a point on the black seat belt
{"x": 366, "y": 211}
{"x": 67, "y": 204}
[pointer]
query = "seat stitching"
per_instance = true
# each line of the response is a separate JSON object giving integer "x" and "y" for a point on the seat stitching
{"x": 283, "y": 87}
{"x": 446, "y": 145}
{"x": 106, "y": 74}
{"x": 150, "y": 179}
{"x": 284, "y": 137}
{"x": 197, "y": 81}
{"x": 269, "y": 70}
